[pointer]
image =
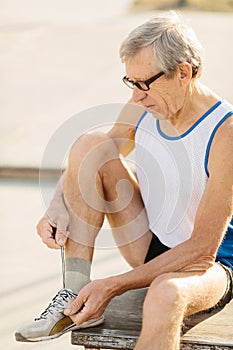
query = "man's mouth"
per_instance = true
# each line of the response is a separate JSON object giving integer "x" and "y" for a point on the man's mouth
{"x": 149, "y": 107}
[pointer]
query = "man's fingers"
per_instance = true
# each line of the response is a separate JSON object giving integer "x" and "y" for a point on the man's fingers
{"x": 45, "y": 231}
{"x": 80, "y": 317}
{"x": 43, "y": 226}
{"x": 74, "y": 306}
{"x": 61, "y": 237}
{"x": 62, "y": 232}
{"x": 49, "y": 240}
{"x": 52, "y": 234}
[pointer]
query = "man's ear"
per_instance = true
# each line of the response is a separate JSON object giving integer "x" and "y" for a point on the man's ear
{"x": 185, "y": 73}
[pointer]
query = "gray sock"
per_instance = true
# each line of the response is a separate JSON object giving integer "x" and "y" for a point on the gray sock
{"x": 77, "y": 273}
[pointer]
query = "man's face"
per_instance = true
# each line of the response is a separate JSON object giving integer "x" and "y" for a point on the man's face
{"x": 165, "y": 96}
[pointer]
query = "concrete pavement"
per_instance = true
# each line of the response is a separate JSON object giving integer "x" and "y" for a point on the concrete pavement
{"x": 61, "y": 57}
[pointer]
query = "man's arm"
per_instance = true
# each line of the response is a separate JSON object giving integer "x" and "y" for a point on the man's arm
{"x": 214, "y": 213}
{"x": 196, "y": 254}
{"x": 123, "y": 131}
{"x": 53, "y": 226}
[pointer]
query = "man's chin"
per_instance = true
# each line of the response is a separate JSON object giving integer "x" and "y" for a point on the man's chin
{"x": 157, "y": 115}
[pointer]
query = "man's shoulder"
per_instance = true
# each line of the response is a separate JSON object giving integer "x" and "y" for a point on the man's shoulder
{"x": 225, "y": 126}
{"x": 222, "y": 146}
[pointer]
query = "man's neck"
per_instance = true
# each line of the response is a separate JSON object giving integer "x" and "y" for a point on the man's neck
{"x": 198, "y": 100}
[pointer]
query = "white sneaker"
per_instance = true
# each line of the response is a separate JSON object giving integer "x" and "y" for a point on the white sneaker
{"x": 52, "y": 323}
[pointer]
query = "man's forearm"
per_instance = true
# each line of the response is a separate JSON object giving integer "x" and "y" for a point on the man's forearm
{"x": 57, "y": 211}
{"x": 181, "y": 258}
{"x": 58, "y": 194}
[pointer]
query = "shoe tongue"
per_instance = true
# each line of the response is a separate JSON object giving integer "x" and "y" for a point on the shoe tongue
{"x": 58, "y": 303}
{"x": 64, "y": 296}
{"x": 69, "y": 291}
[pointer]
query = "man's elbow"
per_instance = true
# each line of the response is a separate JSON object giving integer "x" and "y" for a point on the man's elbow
{"x": 206, "y": 261}
{"x": 203, "y": 258}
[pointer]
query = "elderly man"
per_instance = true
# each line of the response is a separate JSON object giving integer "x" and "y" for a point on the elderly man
{"x": 174, "y": 224}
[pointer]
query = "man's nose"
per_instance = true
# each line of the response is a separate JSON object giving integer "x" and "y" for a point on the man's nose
{"x": 138, "y": 95}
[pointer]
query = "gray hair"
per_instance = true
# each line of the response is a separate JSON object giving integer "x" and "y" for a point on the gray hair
{"x": 173, "y": 42}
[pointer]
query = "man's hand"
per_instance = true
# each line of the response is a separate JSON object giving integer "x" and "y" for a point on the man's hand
{"x": 91, "y": 301}
{"x": 53, "y": 233}
{"x": 53, "y": 226}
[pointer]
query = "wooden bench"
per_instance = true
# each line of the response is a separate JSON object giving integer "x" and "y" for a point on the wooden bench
{"x": 204, "y": 331}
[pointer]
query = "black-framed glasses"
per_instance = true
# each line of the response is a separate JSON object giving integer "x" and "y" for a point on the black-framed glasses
{"x": 143, "y": 85}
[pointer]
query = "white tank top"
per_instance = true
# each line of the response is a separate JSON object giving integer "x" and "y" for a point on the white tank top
{"x": 172, "y": 172}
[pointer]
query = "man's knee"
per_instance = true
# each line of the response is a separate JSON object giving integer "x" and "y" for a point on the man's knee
{"x": 166, "y": 294}
{"x": 95, "y": 146}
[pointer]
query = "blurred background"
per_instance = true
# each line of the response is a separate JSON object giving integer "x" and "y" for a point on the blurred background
{"x": 60, "y": 57}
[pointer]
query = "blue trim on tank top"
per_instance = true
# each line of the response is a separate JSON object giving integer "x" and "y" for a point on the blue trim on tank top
{"x": 140, "y": 120}
{"x": 192, "y": 127}
{"x": 211, "y": 139}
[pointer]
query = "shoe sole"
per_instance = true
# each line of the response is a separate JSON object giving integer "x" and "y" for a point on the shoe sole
{"x": 91, "y": 323}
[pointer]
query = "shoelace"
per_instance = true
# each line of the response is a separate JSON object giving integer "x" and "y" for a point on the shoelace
{"x": 63, "y": 265}
{"x": 62, "y": 256}
{"x": 57, "y": 303}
